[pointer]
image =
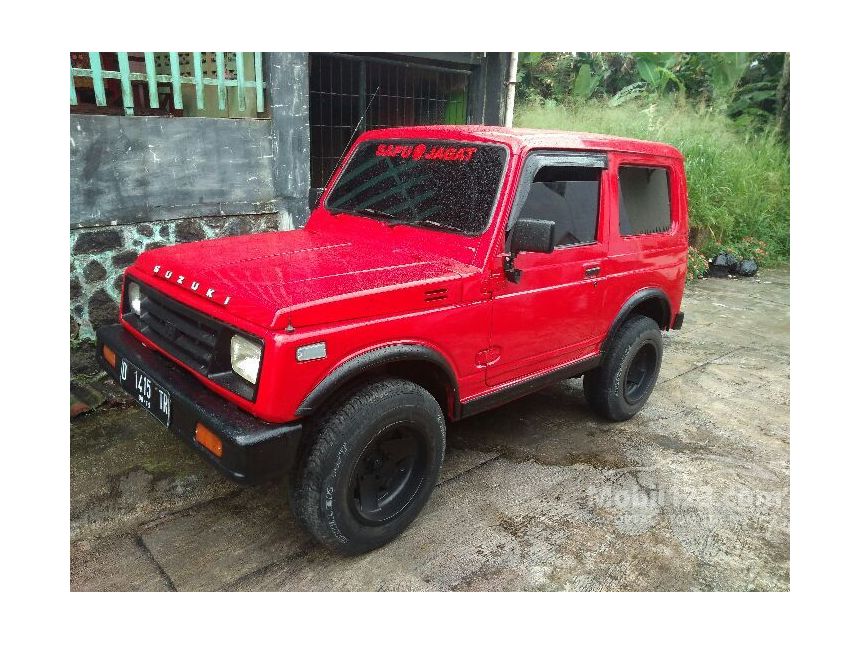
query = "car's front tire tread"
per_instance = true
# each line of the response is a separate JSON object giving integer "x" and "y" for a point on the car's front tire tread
{"x": 344, "y": 430}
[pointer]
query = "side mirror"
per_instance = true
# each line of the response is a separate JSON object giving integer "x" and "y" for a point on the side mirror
{"x": 535, "y": 235}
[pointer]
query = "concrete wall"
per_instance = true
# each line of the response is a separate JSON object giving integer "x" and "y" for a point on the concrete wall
{"x": 488, "y": 88}
{"x": 142, "y": 182}
{"x": 142, "y": 169}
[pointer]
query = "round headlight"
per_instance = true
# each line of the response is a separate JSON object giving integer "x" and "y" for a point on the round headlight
{"x": 134, "y": 297}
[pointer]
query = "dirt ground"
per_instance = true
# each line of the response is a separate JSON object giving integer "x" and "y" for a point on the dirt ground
{"x": 692, "y": 494}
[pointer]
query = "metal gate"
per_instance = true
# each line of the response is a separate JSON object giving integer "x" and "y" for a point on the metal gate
{"x": 393, "y": 93}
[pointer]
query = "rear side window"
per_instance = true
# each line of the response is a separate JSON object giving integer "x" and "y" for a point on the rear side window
{"x": 644, "y": 200}
{"x": 568, "y": 196}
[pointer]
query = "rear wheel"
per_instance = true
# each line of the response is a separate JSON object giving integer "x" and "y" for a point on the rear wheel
{"x": 620, "y": 387}
{"x": 372, "y": 466}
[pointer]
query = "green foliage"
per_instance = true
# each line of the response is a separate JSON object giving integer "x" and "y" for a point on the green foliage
{"x": 697, "y": 265}
{"x": 546, "y": 75}
{"x": 627, "y": 93}
{"x": 656, "y": 71}
{"x": 585, "y": 82}
{"x": 649, "y": 73}
{"x": 742, "y": 85}
{"x": 725, "y": 70}
{"x": 738, "y": 182}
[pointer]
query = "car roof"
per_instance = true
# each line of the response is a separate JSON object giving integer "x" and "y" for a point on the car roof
{"x": 524, "y": 139}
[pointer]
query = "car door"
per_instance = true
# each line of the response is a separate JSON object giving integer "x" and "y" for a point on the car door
{"x": 647, "y": 242}
{"x": 547, "y": 319}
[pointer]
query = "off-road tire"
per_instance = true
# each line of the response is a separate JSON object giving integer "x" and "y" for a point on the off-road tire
{"x": 608, "y": 388}
{"x": 351, "y": 440}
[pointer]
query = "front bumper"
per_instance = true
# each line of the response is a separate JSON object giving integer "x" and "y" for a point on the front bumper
{"x": 253, "y": 450}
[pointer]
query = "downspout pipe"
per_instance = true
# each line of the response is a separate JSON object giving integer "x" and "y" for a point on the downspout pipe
{"x": 512, "y": 90}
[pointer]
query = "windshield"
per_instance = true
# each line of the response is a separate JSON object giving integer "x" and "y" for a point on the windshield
{"x": 445, "y": 184}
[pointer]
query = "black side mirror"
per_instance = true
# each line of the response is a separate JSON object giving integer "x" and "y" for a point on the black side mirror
{"x": 535, "y": 235}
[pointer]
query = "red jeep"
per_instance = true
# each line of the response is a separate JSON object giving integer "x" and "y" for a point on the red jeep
{"x": 446, "y": 271}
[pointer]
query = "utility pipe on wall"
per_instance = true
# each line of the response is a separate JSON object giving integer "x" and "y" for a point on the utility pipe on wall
{"x": 512, "y": 90}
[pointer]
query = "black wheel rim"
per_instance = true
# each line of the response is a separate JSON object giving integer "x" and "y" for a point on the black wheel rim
{"x": 388, "y": 474}
{"x": 639, "y": 376}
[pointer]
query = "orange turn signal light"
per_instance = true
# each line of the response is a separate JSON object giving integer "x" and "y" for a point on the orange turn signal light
{"x": 206, "y": 438}
{"x": 110, "y": 355}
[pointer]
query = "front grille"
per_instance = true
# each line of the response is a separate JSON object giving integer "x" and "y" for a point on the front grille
{"x": 177, "y": 332}
{"x": 200, "y": 342}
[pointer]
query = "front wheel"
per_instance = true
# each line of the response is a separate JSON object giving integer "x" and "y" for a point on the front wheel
{"x": 372, "y": 467}
{"x": 619, "y": 388}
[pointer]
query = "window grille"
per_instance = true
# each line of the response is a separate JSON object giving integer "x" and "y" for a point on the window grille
{"x": 158, "y": 74}
{"x": 393, "y": 93}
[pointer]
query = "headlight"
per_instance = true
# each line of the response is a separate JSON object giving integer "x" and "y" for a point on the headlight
{"x": 134, "y": 297}
{"x": 245, "y": 358}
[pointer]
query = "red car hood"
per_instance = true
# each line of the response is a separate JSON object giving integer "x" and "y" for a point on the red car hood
{"x": 302, "y": 278}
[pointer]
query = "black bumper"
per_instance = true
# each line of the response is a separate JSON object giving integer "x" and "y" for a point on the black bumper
{"x": 253, "y": 450}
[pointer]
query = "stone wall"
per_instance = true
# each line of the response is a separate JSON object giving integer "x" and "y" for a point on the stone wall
{"x": 100, "y": 255}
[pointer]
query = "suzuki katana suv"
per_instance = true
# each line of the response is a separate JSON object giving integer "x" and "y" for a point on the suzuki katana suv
{"x": 446, "y": 271}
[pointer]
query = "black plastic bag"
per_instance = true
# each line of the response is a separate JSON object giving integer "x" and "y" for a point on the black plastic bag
{"x": 723, "y": 264}
{"x": 747, "y": 268}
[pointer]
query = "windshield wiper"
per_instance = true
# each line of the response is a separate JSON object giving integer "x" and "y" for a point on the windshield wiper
{"x": 388, "y": 218}
{"x": 391, "y": 220}
{"x": 439, "y": 225}
{"x": 363, "y": 211}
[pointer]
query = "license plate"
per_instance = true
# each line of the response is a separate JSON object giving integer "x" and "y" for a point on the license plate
{"x": 149, "y": 394}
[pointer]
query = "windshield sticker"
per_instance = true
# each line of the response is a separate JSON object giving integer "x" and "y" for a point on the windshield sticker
{"x": 422, "y": 151}
{"x": 443, "y": 184}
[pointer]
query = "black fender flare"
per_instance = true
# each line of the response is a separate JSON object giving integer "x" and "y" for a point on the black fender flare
{"x": 634, "y": 301}
{"x": 373, "y": 359}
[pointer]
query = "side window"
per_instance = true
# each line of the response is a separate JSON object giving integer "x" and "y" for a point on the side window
{"x": 644, "y": 200}
{"x": 568, "y": 196}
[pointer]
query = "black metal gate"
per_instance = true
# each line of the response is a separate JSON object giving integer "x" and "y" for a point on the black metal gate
{"x": 392, "y": 93}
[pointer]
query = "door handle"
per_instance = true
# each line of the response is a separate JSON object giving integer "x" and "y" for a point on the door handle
{"x": 591, "y": 272}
